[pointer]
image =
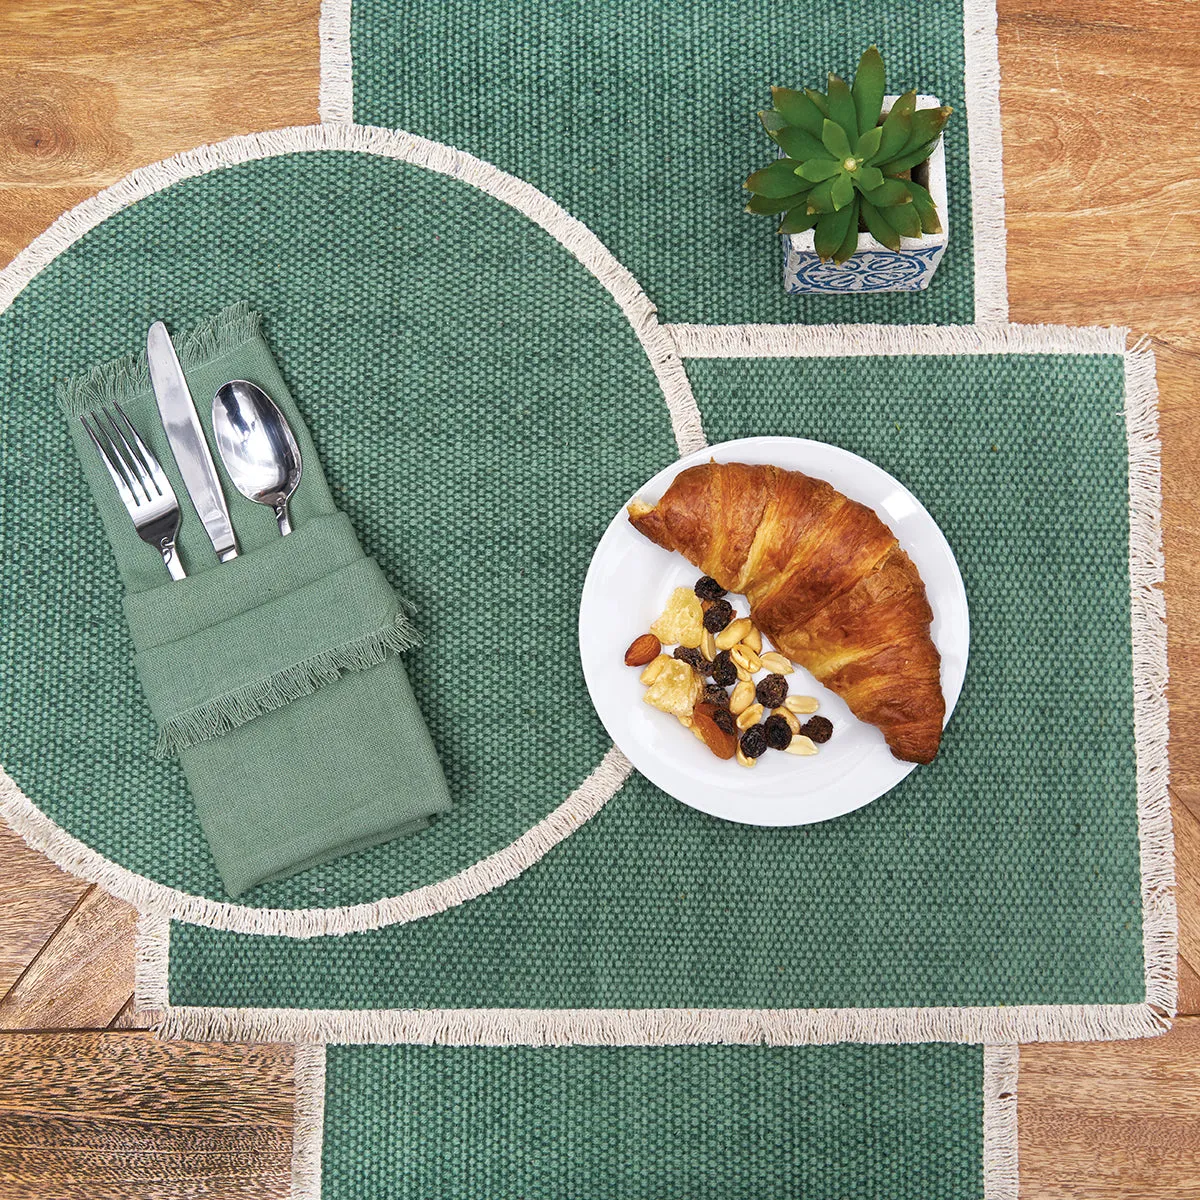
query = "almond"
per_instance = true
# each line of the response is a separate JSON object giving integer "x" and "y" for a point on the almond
{"x": 642, "y": 650}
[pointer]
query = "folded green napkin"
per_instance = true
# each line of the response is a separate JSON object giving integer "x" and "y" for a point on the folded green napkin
{"x": 273, "y": 677}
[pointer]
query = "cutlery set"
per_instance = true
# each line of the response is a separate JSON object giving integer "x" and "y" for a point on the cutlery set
{"x": 254, "y": 440}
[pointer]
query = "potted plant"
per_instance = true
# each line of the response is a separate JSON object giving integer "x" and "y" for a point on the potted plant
{"x": 860, "y": 183}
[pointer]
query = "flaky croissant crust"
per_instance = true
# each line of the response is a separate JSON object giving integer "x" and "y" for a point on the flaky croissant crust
{"x": 827, "y": 582}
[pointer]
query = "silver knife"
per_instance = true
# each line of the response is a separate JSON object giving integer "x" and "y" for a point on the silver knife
{"x": 186, "y": 437}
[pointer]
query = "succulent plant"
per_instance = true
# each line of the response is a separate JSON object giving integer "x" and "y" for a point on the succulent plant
{"x": 843, "y": 166}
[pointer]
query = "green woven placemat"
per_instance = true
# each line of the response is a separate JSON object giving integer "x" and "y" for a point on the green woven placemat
{"x": 707, "y": 1123}
{"x": 639, "y": 118}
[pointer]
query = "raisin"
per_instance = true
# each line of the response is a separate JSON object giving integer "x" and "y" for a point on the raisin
{"x": 771, "y": 691}
{"x": 724, "y": 720}
{"x": 715, "y": 694}
{"x": 754, "y": 742}
{"x": 719, "y": 614}
{"x": 707, "y": 588}
{"x": 694, "y": 659}
{"x": 724, "y": 669}
{"x": 778, "y": 733}
{"x": 819, "y": 729}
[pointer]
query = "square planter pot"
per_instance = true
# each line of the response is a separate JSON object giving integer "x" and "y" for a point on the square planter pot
{"x": 873, "y": 267}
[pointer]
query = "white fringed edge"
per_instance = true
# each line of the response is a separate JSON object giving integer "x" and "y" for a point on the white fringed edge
{"x": 308, "y": 1123}
{"x": 1000, "y": 1166}
{"x": 145, "y": 894}
{"x": 663, "y": 1026}
{"x": 336, "y": 102}
{"x": 986, "y": 145}
{"x": 161, "y": 902}
{"x": 856, "y": 341}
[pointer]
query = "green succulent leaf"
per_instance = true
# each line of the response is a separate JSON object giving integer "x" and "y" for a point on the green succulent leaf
{"x": 779, "y": 179}
{"x": 820, "y": 100}
{"x": 908, "y": 160}
{"x": 799, "y": 144}
{"x": 797, "y": 109}
{"x": 896, "y": 127}
{"x": 798, "y": 220}
{"x": 850, "y": 242}
{"x": 878, "y": 226}
{"x": 834, "y": 138}
{"x": 772, "y": 121}
{"x": 842, "y": 192}
{"x": 926, "y": 209}
{"x": 841, "y": 106}
{"x": 818, "y": 169}
{"x": 904, "y": 219}
{"x": 831, "y": 230}
{"x": 868, "y": 179}
{"x": 820, "y": 199}
{"x": 927, "y": 124}
{"x": 868, "y": 143}
{"x": 889, "y": 193}
{"x": 774, "y": 204}
{"x": 868, "y": 89}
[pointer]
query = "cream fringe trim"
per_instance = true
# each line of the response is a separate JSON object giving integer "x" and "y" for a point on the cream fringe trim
{"x": 982, "y": 86}
{"x": 1000, "y": 1174}
{"x": 656, "y": 1026}
{"x": 161, "y": 902}
{"x": 308, "y": 1123}
{"x": 336, "y": 101}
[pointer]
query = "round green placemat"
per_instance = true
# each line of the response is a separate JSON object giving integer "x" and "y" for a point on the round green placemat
{"x": 481, "y": 406}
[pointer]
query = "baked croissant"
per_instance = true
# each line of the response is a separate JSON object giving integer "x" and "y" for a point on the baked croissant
{"x": 827, "y": 583}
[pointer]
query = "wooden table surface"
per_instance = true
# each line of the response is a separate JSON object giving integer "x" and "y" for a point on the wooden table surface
{"x": 1101, "y": 114}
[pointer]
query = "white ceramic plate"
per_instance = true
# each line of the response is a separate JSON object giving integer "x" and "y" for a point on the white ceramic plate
{"x": 628, "y": 584}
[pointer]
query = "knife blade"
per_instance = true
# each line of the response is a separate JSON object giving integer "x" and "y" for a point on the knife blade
{"x": 186, "y": 437}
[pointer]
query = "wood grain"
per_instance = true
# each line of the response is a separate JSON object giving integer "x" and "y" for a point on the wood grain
{"x": 110, "y": 1116}
{"x": 1100, "y": 113}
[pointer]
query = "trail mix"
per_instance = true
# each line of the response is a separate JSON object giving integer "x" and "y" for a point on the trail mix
{"x": 718, "y": 681}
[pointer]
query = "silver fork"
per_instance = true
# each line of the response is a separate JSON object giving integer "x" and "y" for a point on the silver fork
{"x": 141, "y": 483}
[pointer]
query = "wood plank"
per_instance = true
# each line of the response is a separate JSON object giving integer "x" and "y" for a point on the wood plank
{"x": 1111, "y": 1120}
{"x": 35, "y": 898}
{"x": 108, "y": 1116}
{"x": 84, "y": 976}
{"x": 1189, "y": 989}
{"x": 1187, "y": 883}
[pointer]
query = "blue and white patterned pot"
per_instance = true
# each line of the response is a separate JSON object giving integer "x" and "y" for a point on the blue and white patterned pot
{"x": 873, "y": 267}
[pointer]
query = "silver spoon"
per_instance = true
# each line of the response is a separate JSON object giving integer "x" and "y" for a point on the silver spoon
{"x": 257, "y": 446}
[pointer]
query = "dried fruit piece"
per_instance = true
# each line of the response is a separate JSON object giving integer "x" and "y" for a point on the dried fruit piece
{"x": 742, "y": 698}
{"x": 654, "y": 669}
{"x": 717, "y": 615}
{"x": 676, "y": 689}
{"x": 754, "y": 742}
{"x": 801, "y": 745}
{"x": 775, "y": 662}
{"x": 723, "y": 720}
{"x": 681, "y": 621}
{"x": 753, "y": 639}
{"x": 715, "y": 694}
{"x": 694, "y": 659}
{"x": 749, "y": 716}
{"x": 777, "y": 732}
{"x": 790, "y": 717}
{"x": 724, "y": 672}
{"x": 733, "y": 633}
{"x": 642, "y": 650}
{"x": 720, "y": 741}
{"x": 707, "y": 588}
{"x": 820, "y": 729}
{"x": 745, "y": 658}
{"x": 771, "y": 691}
{"x": 801, "y": 704}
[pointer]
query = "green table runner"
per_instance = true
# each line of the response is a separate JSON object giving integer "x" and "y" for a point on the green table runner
{"x": 639, "y": 118}
{"x": 719, "y": 1122}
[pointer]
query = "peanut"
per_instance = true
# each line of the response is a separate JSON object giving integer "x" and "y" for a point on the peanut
{"x": 708, "y": 645}
{"x": 743, "y": 760}
{"x": 801, "y": 745}
{"x": 749, "y": 716}
{"x": 754, "y": 639}
{"x": 801, "y": 704}
{"x": 733, "y": 633}
{"x": 745, "y": 658}
{"x": 790, "y": 717}
{"x": 775, "y": 662}
{"x": 742, "y": 697}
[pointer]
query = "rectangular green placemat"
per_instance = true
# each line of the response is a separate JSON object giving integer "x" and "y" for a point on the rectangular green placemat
{"x": 703, "y": 1122}
{"x": 638, "y": 117}
{"x": 1017, "y": 889}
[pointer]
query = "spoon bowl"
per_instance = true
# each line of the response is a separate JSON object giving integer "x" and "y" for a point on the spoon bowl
{"x": 257, "y": 446}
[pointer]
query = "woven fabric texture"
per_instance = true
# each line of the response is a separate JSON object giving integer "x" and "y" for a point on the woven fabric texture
{"x": 480, "y": 407}
{"x": 705, "y": 1122}
{"x": 639, "y": 118}
{"x": 1005, "y": 873}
